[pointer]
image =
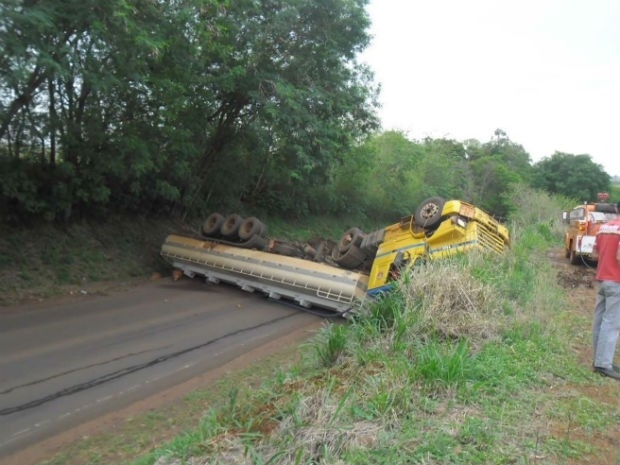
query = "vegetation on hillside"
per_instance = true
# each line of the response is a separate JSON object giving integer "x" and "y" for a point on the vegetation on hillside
{"x": 85, "y": 257}
{"x": 154, "y": 106}
{"x": 182, "y": 108}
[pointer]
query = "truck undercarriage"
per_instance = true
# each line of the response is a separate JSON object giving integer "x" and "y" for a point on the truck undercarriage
{"x": 336, "y": 276}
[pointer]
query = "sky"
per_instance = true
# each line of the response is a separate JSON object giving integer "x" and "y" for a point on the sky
{"x": 546, "y": 72}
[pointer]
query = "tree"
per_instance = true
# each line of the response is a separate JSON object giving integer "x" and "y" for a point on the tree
{"x": 75, "y": 109}
{"x": 574, "y": 176}
{"x": 141, "y": 105}
{"x": 443, "y": 170}
{"x": 296, "y": 90}
{"x": 393, "y": 186}
{"x": 494, "y": 167}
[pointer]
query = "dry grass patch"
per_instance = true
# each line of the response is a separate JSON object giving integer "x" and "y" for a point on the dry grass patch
{"x": 453, "y": 304}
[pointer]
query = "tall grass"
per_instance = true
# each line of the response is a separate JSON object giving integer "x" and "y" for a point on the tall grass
{"x": 456, "y": 366}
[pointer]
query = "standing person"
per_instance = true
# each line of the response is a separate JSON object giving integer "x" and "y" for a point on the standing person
{"x": 606, "y": 322}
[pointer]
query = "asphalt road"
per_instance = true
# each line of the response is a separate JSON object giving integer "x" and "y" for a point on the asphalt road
{"x": 65, "y": 363}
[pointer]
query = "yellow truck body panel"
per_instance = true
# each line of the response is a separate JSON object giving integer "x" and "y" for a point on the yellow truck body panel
{"x": 464, "y": 227}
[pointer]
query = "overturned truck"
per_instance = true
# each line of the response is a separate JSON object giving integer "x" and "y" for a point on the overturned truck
{"x": 328, "y": 275}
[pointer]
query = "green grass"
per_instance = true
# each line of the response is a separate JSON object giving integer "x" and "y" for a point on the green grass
{"x": 49, "y": 260}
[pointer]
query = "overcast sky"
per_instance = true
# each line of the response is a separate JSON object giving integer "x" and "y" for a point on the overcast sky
{"x": 547, "y": 72}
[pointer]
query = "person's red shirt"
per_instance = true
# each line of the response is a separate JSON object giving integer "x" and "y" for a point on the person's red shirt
{"x": 607, "y": 241}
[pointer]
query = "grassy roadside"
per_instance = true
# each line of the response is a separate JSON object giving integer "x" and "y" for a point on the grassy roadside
{"x": 473, "y": 361}
{"x": 51, "y": 261}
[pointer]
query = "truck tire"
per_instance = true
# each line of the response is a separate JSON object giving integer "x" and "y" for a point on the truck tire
{"x": 212, "y": 225}
{"x": 350, "y": 259}
{"x": 428, "y": 214}
{"x": 250, "y": 227}
{"x": 353, "y": 236}
{"x": 230, "y": 227}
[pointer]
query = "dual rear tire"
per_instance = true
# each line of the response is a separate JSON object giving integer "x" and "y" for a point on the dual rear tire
{"x": 232, "y": 227}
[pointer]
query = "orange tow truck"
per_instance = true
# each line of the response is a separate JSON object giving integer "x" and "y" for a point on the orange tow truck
{"x": 583, "y": 222}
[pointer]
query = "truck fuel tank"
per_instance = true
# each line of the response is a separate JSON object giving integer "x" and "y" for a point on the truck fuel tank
{"x": 307, "y": 283}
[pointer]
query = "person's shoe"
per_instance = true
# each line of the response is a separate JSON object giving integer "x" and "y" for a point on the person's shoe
{"x": 609, "y": 372}
{"x": 616, "y": 368}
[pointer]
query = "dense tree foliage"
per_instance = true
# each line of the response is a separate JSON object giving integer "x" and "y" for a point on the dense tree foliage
{"x": 196, "y": 105}
{"x": 575, "y": 176}
{"x": 145, "y": 105}
{"x": 398, "y": 173}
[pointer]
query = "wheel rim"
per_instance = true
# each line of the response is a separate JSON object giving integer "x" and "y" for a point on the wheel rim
{"x": 429, "y": 211}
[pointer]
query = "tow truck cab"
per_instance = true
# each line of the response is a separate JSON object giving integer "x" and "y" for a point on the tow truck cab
{"x": 583, "y": 223}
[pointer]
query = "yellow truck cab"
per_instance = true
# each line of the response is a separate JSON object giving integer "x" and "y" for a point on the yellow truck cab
{"x": 439, "y": 229}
